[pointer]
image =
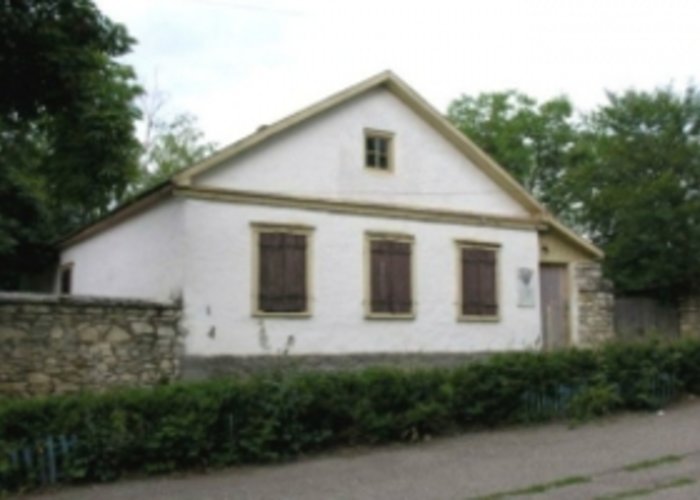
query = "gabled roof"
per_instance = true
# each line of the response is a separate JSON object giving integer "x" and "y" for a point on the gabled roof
{"x": 405, "y": 93}
{"x": 409, "y": 97}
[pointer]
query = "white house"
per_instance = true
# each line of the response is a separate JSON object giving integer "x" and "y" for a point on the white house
{"x": 365, "y": 223}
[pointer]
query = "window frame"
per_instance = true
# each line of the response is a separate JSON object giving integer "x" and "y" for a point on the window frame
{"x": 66, "y": 267}
{"x": 370, "y": 133}
{"x": 495, "y": 247}
{"x": 371, "y": 236}
{"x": 259, "y": 228}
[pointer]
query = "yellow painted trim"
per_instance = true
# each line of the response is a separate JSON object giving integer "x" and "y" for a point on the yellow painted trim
{"x": 570, "y": 290}
{"x": 411, "y": 98}
{"x": 389, "y": 316}
{"x": 258, "y": 228}
{"x": 367, "y": 282}
{"x": 479, "y": 319}
{"x": 558, "y": 228}
{"x": 495, "y": 247}
{"x": 185, "y": 176}
{"x": 394, "y": 84}
{"x": 554, "y": 249}
{"x": 390, "y": 235}
{"x": 391, "y": 150}
{"x": 477, "y": 243}
{"x": 286, "y": 227}
{"x": 370, "y": 209}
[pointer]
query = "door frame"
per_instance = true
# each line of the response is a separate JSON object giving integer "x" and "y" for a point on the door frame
{"x": 568, "y": 319}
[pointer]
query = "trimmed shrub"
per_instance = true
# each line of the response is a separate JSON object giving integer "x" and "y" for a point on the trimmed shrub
{"x": 279, "y": 416}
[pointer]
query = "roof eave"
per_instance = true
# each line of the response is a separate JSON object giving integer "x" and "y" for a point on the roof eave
{"x": 132, "y": 207}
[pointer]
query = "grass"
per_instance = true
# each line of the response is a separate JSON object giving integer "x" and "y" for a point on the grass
{"x": 655, "y": 462}
{"x": 642, "y": 492}
{"x": 538, "y": 488}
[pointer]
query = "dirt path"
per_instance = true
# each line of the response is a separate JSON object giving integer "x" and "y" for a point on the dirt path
{"x": 653, "y": 455}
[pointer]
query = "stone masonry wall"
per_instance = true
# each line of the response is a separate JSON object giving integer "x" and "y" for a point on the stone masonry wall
{"x": 58, "y": 344}
{"x": 596, "y": 304}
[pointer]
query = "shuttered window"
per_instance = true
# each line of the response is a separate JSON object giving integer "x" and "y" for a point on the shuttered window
{"x": 390, "y": 277}
{"x": 479, "y": 288}
{"x": 282, "y": 273}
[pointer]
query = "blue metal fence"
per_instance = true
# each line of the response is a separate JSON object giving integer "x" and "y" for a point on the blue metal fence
{"x": 552, "y": 401}
{"x": 47, "y": 461}
{"x": 42, "y": 462}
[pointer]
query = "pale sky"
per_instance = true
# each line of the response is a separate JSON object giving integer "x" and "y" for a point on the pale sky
{"x": 238, "y": 64}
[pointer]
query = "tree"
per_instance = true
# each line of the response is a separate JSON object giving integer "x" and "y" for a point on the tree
{"x": 532, "y": 141}
{"x": 67, "y": 144}
{"x": 638, "y": 189}
{"x": 167, "y": 144}
{"x": 174, "y": 145}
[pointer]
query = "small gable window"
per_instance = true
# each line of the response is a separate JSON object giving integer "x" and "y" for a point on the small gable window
{"x": 379, "y": 150}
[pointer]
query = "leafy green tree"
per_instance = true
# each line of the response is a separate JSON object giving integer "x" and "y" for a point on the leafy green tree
{"x": 637, "y": 189}
{"x": 532, "y": 140}
{"x": 173, "y": 145}
{"x": 67, "y": 111}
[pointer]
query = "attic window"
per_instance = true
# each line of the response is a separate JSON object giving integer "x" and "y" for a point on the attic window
{"x": 379, "y": 150}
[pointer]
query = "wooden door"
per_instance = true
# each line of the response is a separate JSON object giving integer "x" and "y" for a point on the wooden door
{"x": 554, "y": 301}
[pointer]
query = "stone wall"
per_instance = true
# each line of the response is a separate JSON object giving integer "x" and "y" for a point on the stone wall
{"x": 58, "y": 344}
{"x": 596, "y": 305}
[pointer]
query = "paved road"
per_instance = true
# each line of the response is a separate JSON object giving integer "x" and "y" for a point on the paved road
{"x": 465, "y": 467}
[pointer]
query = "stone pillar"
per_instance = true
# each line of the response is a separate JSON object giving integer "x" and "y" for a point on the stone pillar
{"x": 596, "y": 303}
{"x": 690, "y": 317}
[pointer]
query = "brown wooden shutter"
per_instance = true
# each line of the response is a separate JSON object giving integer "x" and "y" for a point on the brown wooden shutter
{"x": 282, "y": 272}
{"x": 379, "y": 277}
{"x": 470, "y": 282}
{"x": 479, "y": 282}
{"x": 295, "y": 273}
{"x": 401, "y": 277}
{"x": 390, "y": 277}
{"x": 270, "y": 267}
{"x": 487, "y": 283}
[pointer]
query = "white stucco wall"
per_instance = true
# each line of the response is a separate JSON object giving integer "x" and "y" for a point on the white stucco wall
{"x": 324, "y": 157}
{"x": 141, "y": 257}
{"x": 218, "y": 287}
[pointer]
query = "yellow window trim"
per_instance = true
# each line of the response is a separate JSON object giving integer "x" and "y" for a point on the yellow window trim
{"x": 259, "y": 228}
{"x": 495, "y": 247}
{"x": 387, "y": 236}
{"x": 391, "y": 150}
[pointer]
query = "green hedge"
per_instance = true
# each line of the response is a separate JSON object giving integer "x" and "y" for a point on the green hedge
{"x": 280, "y": 416}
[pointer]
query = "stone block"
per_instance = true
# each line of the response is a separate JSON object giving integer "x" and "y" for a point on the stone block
{"x": 142, "y": 328}
{"x": 166, "y": 331}
{"x": 89, "y": 335}
{"x": 9, "y": 333}
{"x": 38, "y": 378}
{"x": 117, "y": 335}
{"x": 56, "y": 332}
